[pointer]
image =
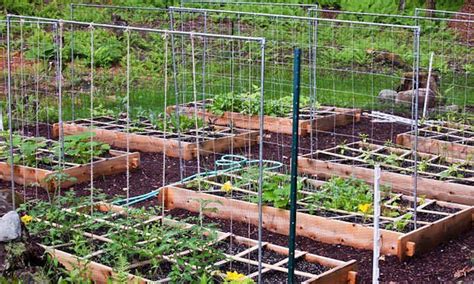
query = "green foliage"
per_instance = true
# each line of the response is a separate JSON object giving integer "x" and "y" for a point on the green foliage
{"x": 249, "y": 103}
{"x": 343, "y": 194}
{"x": 400, "y": 224}
{"x": 80, "y": 148}
{"x": 25, "y": 150}
{"x": 175, "y": 123}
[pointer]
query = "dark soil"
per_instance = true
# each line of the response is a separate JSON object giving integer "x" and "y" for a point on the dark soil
{"x": 438, "y": 265}
{"x": 272, "y": 277}
{"x": 436, "y": 207}
{"x": 240, "y": 267}
{"x": 309, "y": 267}
{"x": 231, "y": 246}
{"x": 153, "y": 273}
{"x": 268, "y": 256}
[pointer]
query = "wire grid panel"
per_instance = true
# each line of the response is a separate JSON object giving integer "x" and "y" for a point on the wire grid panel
{"x": 343, "y": 64}
{"x": 3, "y": 56}
{"x": 449, "y": 36}
{"x": 74, "y": 71}
{"x": 295, "y": 9}
{"x": 139, "y": 16}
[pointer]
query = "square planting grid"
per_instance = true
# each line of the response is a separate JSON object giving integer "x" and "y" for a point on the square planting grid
{"x": 324, "y": 223}
{"x": 324, "y": 118}
{"x": 46, "y": 163}
{"x": 448, "y": 140}
{"x": 240, "y": 254}
{"x": 441, "y": 178}
{"x": 143, "y": 136}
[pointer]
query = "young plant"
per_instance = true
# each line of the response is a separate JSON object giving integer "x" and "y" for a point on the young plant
{"x": 79, "y": 148}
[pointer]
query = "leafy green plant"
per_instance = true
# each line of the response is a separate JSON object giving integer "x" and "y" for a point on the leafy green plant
{"x": 174, "y": 123}
{"x": 343, "y": 194}
{"x": 454, "y": 170}
{"x": 25, "y": 150}
{"x": 79, "y": 148}
{"x": 249, "y": 103}
{"x": 401, "y": 224}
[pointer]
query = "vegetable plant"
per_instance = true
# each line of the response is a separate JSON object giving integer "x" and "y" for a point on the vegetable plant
{"x": 80, "y": 148}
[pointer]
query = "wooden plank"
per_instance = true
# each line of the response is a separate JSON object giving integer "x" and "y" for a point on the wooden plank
{"x": 276, "y": 220}
{"x": 343, "y": 274}
{"x": 109, "y": 166}
{"x": 433, "y": 189}
{"x": 98, "y": 273}
{"x": 429, "y": 236}
{"x": 170, "y": 146}
{"x": 23, "y": 174}
{"x": 282, "y": 125}
{"x": 438, "y": 147}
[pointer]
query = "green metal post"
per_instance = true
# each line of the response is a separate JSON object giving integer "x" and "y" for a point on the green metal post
{"x": 294, "y": 164}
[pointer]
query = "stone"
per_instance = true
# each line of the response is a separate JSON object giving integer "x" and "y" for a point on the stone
{"x": 406, "y": 97}
{"x": 407, "y": 82}
{"x": 10, "y": 227}
{"x": 387, "y": 95}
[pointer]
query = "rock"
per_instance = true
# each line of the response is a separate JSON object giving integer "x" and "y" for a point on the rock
{"x": 406, "y": 97}
{"x": 407, "y": 82}
{"x": 10, "y": 227}
{"x": 387, "y": 95}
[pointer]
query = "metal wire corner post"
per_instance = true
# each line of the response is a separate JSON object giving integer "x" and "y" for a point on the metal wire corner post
{"x": 416, "y": 74}
{"x": 10, "y": 130}
{"x": 260, "y": 159}
{"x": 294, "y": 164}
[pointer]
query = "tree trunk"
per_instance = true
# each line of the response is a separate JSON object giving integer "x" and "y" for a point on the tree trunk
{"x": 401, "y": 5}
{"x": 430, "y": 4}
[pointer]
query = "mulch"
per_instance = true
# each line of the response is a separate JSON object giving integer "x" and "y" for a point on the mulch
{"x": 465, "y": 30}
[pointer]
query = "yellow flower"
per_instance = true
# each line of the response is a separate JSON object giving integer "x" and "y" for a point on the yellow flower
{"x": 26, "y": 219}
{"x": 234, "y": 276}
{"x": 365, "y": 208}
{"x": 227, "y": 187}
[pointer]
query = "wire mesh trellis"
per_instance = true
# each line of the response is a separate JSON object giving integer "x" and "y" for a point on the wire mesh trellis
{"x": 367, "y": 63}
{"x": 325, "y": 70}
{"x": 295, "y": 9}
{"x": 119, "y": 92}
{"x": 448, "y": 35}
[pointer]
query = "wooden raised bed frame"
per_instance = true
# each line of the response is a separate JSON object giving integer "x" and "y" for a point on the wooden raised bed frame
{"x": 430, "y": 184}
{"x": 448, "y": 140}
{"x": 150, "y": 140}
{"x": 26, "y": 175}
{"x": 339, "y": 272}
{"x": 326, "y": 118}
{"x": 325, "y": 229}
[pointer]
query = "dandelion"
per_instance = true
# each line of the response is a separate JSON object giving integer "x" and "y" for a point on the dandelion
{"x": 26, "y": 219}
{"x": 365, "y": 208}
{"x": 234, "y": 276}
{"x": 227, "y": 187}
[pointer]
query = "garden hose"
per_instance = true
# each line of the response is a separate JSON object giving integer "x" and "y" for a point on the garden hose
{"x": 233, "y": 162}
{"x": 228, "y": 162}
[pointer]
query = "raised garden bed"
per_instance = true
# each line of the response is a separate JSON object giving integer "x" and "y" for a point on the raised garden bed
{"x": 441, "y": 178}
{"x": 145, "y": 232}
{"x": 448, "y": 140}
{"x": 36, "y": 162}
{"x": 324, "y": 118}
{"x": 144, "y": 136}
{"x": 234, "y": 196}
